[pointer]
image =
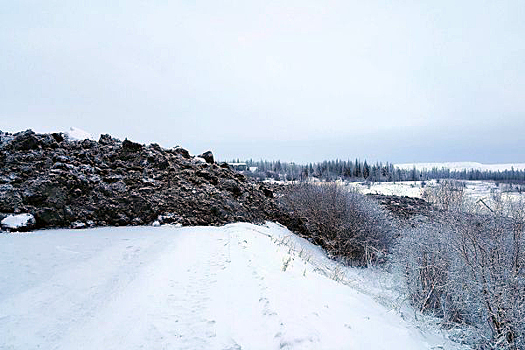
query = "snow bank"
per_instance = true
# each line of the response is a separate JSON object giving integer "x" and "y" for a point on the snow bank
{"x": 78, "y": 134}
{"x": 240, "y": 286}
{"x": 18, "y": 222}
{"x": 405, "y": 188}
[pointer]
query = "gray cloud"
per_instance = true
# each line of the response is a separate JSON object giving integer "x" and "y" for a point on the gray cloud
{"x": 302, "y": 80}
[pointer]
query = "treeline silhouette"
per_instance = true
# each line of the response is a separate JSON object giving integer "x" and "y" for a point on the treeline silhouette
{"x": 358, "y": 170}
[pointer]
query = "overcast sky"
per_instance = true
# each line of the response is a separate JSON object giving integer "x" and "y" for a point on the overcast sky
{"x": 399, "y": 81}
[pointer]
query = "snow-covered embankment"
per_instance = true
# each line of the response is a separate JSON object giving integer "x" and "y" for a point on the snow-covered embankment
{"x": 239, "y": 286}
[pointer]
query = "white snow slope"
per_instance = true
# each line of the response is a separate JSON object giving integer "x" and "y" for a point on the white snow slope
{"x": 78, "y": 134}
{"x": 460, "y": 166}
{"x": 239, "y": 286}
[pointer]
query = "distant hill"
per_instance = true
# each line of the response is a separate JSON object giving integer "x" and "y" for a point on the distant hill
{"x": 460, "y": 166}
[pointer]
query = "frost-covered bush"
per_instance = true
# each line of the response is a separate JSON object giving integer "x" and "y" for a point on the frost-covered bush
{"x": 470, "y": 269}
{"x": 446, "y": 194}
{"x": 347, "y": 224}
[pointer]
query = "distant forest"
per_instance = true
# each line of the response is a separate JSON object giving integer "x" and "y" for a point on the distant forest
{"x": 363, "y": 171}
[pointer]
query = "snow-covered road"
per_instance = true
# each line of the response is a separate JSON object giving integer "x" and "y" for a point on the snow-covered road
{"x": 234, "y": 287}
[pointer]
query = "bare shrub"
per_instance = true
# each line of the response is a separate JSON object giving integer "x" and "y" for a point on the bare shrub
{"x": 347, "y": 224}
{"x": 470, "y": 269}
{"x": 446, "y": 194}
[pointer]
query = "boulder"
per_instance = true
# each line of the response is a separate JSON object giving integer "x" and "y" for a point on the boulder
{"x": 25, "y": 141}
{"x": 106, "y": 139}
{"x": 131, "y": 146}
{"x": 181, "y": 151}
{"x": 58, "y": 136}
{"x": 208, "y": 157}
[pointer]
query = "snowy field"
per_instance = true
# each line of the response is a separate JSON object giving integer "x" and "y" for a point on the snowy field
{"x": 239, "y": 286}
{"x": 404, "y": 188}
{"x": 474, "y": 190}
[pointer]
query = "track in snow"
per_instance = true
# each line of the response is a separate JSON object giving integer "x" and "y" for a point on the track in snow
{"x": 233, "y": 287}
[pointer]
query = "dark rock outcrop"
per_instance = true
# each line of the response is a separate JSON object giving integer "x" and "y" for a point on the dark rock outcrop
{"x": 208, "y": 157}
{"x": 65, "y": 183}
{"x": 403, "y": 206}
{"x": 411, "y": 211}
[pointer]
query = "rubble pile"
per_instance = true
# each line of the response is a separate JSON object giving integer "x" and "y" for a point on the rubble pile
{"x": 84, "y": 183}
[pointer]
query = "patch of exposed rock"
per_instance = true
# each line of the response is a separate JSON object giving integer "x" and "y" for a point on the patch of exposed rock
{"x": 412, "y": 211}
{"x": 403, "y": 206}
{"x": 66, "y": 183}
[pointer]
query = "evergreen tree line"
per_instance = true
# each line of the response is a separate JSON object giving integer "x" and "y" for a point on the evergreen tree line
{"x": 358, "y": 170}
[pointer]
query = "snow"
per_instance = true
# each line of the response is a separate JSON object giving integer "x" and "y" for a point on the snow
{"x": 474, "y": 191}
{"x": 78, "y": 134}
{"x": 18, "y": 221}
{"x": 240, "y": 286}
{"x": 460, "y": 166}
{"x": 401, "y": 188}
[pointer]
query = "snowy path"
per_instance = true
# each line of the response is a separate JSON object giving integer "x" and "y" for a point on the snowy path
{"x": 233, "y": 287}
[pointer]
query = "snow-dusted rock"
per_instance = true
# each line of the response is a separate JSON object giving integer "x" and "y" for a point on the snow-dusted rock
{"x": 199, "y": 160}
{"x": 66, "y": 183}
{"x": 168, "y": 218}
{"x": 18, "y": 222}
{"x": 79, "y": 225}
{"x": 131, "y": 146}
{"x": 208, "y": 157}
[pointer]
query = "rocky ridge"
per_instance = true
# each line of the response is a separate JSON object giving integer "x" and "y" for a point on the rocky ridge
{"x": 68, "y": 183}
